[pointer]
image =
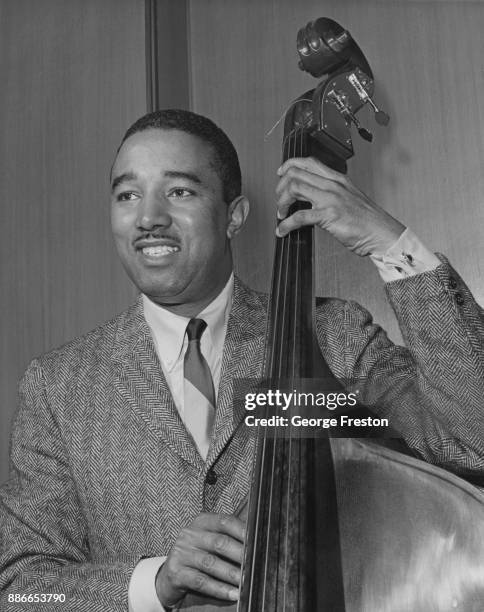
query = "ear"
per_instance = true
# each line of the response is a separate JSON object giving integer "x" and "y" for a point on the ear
{"x": 237, "y": 213}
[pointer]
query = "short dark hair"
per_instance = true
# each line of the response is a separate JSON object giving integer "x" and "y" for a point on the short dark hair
{"x": 225, "y": 159}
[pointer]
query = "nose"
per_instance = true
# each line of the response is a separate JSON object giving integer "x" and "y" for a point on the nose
{"x": 153, "y": 212}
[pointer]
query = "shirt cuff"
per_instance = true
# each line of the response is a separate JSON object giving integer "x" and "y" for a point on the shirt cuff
{"x": 406, "y": 257}
{"x": 142, "y": 595}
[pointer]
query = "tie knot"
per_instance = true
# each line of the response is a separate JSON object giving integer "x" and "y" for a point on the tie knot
{"x": 195, "y": 329}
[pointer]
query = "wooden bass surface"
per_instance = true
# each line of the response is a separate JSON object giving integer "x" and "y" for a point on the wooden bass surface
{"x": 412, "y": 536}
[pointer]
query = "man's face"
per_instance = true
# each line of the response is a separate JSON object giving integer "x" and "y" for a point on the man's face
{"x": 170, "y": 223}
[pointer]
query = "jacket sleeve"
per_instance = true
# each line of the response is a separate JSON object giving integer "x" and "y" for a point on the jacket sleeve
{"x": 432, "y": 390}
{"x": 44, "y": 540}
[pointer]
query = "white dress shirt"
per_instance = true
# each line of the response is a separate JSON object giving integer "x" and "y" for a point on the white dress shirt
{"x": 170, "y": 340}
{"x": 407, "y": 257}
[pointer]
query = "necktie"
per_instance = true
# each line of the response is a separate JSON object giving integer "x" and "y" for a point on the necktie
{"x": 199, "y": 400}
{"x": 196, "y": 367}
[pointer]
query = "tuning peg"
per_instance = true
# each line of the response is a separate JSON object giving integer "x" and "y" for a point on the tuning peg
{"x": 382, "y": 118}
{"x": 340, "y": 100}
{"x": 365, "y": 134}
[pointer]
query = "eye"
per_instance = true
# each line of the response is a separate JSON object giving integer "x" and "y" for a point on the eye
{"x": 180, "y": 193}
{"x": 124, "y": 196}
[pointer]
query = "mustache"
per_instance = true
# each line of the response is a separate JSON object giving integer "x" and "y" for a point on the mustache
{"x": 157, "y": 235}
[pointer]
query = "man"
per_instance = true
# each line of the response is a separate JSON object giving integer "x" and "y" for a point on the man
{"x": 123, "y": 494}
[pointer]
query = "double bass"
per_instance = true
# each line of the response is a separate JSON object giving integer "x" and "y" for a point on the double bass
{"x": 343, "y": 524}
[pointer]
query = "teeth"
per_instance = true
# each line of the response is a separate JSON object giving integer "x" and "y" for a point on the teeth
{"x": 158, "y": 251}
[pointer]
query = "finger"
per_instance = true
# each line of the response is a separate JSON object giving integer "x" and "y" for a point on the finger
{"x": 299, "y": 219}
{"x": 189, "y": 579}
{"x": 222, "y": 545}
{"x": 221, "y": 523}
{"x": 297, "y": 185}
{"x": 217, "y": 568}
{"x": 313, "y": 166}
{"x": 194, "y": 539}
{"x": 294, "y": 175}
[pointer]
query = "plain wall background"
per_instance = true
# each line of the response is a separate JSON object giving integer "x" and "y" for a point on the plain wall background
{"x": 73, "y": 78}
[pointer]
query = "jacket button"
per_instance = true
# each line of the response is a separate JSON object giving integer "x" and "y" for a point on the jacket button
{"x": 452, "y": 283}
{"x": 459, "y": 298}
{"x": 211, "y": 477}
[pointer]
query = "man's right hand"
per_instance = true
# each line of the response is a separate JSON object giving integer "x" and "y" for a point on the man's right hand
{"x": 206, "y": 558}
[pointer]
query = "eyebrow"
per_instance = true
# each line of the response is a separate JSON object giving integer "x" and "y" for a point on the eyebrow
{"x": 131, "y": 176}
{"x": 186, "y": 175}
{"x": 126, "y": 176}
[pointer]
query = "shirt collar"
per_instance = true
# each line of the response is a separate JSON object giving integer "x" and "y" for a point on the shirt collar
{"x": 168, "y": 329}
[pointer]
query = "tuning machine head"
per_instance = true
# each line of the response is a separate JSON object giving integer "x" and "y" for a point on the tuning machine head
{"x": 328, "y": 50}
{"x": 359, "y": 82}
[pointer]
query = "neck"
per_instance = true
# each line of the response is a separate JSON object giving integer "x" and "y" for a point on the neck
{"x": 191, "y": 309}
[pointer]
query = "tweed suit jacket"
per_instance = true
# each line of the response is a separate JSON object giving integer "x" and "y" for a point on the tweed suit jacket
{"x": 104, "y": 473}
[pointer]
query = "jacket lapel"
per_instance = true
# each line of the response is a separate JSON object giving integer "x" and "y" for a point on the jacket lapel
{"x": 139, "y": 380}
{"x": 242, "y": 359}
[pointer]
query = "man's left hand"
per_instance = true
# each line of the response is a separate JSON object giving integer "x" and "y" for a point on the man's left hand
{"x": 337, "y": 206}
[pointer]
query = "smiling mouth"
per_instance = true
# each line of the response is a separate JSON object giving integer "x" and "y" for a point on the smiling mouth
{"x": 160, "y": 250}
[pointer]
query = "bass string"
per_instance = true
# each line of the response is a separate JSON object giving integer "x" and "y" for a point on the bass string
{"x": 262, "y": 435}
{"x": 295, "y": 253}
{"x": 281, "y": 320}
{"x": 290, "y": 291}
{"x": 293, "y": 263}
{"x": 293, "y": 345}
{"x": 304, "y": 150}
{"x": 279, "y": 313}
